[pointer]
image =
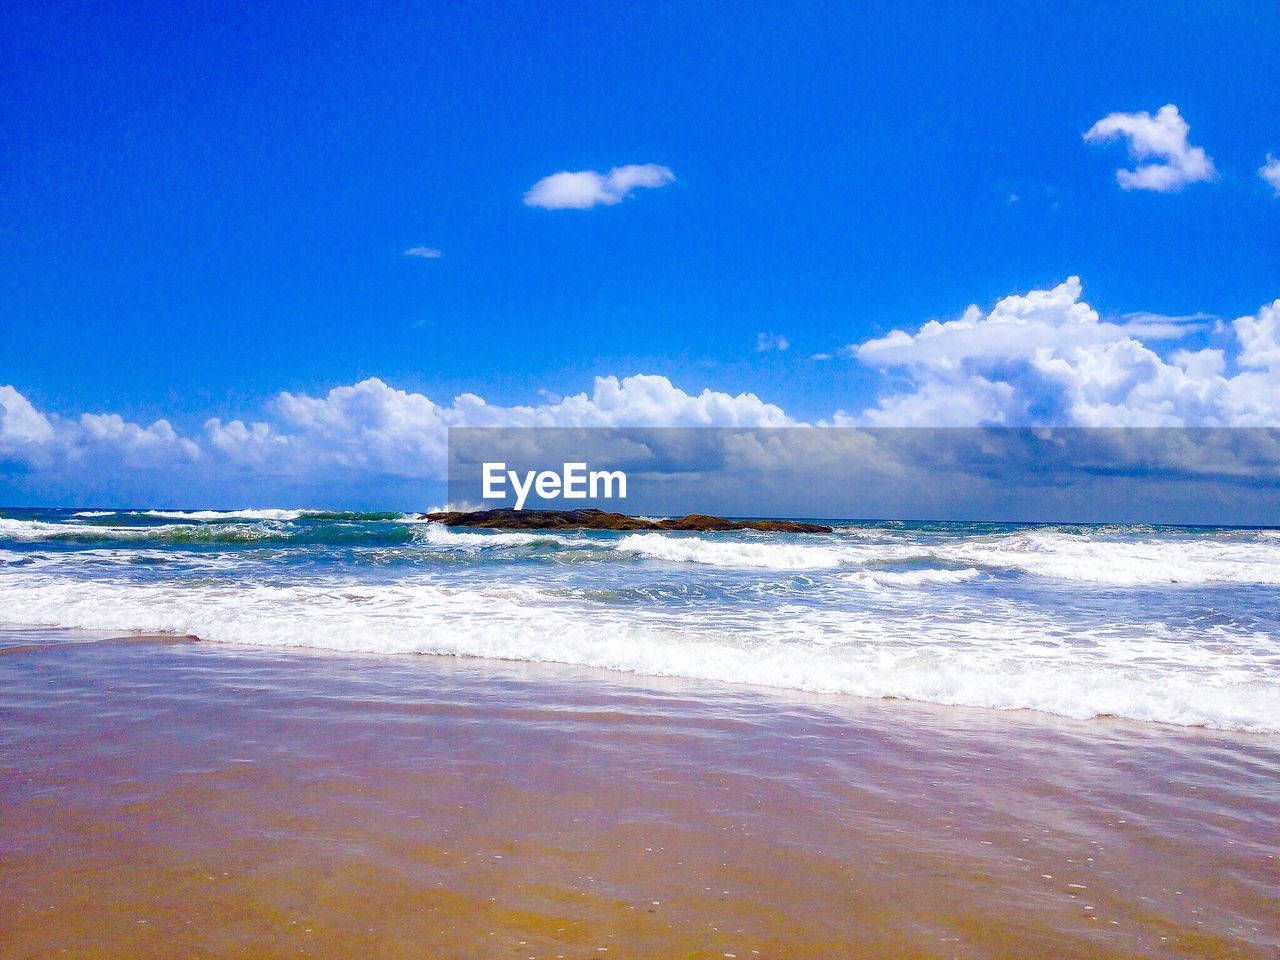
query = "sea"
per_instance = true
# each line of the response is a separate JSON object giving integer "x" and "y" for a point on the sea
{"x": 1158, "y": 624}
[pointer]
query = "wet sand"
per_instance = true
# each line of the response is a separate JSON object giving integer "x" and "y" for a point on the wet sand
{"x": 178, "y": 799}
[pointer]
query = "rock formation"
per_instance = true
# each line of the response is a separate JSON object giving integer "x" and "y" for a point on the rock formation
{"x": 507, "y": 519}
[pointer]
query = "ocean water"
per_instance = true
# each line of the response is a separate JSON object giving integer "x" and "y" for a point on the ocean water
{"x": 1161, "y": 624}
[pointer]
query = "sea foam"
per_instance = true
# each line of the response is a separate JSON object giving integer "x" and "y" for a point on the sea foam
{"x": 1152, "y": 624}
{"x": 1124, "y": 561}
{"x": 1002, "y": 664}
{"x": 731, "y": 553}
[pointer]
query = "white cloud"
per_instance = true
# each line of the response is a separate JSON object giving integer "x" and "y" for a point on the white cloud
{"x": 1260, "y": 339}
{"x": 39, "y": 440}
{"x": 586, "y": 188}
{"x": 109, "y": 435}
{"x": 1162, "y": 139}
{"x": 1198, "y": 320}
{"x": 367, "y": 428}
{"x": 771, "y": 341}
{"x": 424, "y": 253}
{"x": 1019, "y": 327}
{"x": 1041, "y": 358}
{"x": 1046, "y": 357}
{"x": 21, "y": 424}
{"x": 1270, "y": 172}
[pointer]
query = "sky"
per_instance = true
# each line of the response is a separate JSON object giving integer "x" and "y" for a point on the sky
{"x": 273, "y": 252}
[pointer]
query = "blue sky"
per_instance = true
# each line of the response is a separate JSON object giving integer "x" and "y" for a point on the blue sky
{"x": 206, "y": 205}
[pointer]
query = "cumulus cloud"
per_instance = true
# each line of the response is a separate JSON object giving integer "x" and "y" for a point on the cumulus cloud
{"x": 34, "y": 440}
{"x": 21, "y": 424}
{"x": 1260, "y": 339}
{"x": 1042, "y": 358}
{"x": 771, "y": 341}
{"x": 584, "y": 189}
{"x": 1270, "y": 172}
{"x": 1161, "y": 139}
{"x": 365, "y": 429}
{"x": 1048, "y": 358}
{"x": 423, "y": 253}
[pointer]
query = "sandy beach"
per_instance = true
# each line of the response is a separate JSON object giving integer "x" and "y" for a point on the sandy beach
{"x": 166, "y": 798}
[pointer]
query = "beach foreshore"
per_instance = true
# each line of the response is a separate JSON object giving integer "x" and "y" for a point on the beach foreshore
{"x": 187, "y": 799}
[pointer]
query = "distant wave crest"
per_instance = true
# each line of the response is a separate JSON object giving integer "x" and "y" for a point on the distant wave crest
{"x": 731, "y": 553}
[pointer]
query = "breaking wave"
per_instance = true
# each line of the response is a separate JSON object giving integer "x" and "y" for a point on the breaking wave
{"x": 731, "y": 553}
{"x": 910, "y": 578}
{"x": 1166, "y": 625}
{"x": 1019, "y": 666}
{"x": 224, "y": 514}
{"x": 34, "y": 530}
{"x": 1124, "y": 561}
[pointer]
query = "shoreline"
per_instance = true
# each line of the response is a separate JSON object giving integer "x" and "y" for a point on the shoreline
{"x": 42, "y": 637}
{"x": 592, "y": 674}
{"x": 171, "y": 798}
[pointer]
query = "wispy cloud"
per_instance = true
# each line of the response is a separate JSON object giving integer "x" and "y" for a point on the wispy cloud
{"x": 1191, "y": 321}
{"x": 584, "y": 189}
{"x": 1270, "y": 172}
{"x": 1162, "y": 139}
{"x": 771, "y": 341}
{"x": 424, "y": 253}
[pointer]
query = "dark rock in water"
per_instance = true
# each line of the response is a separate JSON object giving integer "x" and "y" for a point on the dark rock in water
{"x": 507, "y": 519}
{"x": 700, "y": 521}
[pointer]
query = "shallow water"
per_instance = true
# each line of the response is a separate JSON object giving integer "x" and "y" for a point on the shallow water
{"x": 164, "y": 798}
{"x": 1165, "y": 624}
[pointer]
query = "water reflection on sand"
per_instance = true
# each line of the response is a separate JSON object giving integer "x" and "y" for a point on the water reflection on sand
{"x": 186, "y": 799}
